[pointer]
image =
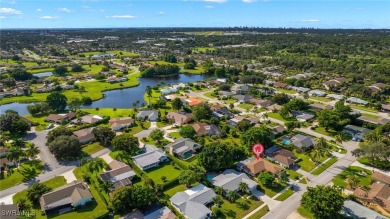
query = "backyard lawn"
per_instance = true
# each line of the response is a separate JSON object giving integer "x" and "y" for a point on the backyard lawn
{"x": 166, "y": 170}
{"x": 240, "y": 208}
{"x": 324, "y": 166}
{"x": 245, "y": 106}
{"x": 175, "y": 135}
{"x": 305, "y": 213}
{"x": 110, "y": 112}
{"x": 92, "y": 148}
{"x": 26, "y": 172}
{"x": 286, "y": 91}
{"x": 211, "y": 95}
{"x": 39, "y": 120}
{"x": 362, "y": 174}
{"x": 197, "y": 70}
{"x": 293, "y": 174}
{"x": 172, "y": 191}
{"x": 330, "y": 133}
{"x": 276, "y": 116}
{"x": 304, "y": 162}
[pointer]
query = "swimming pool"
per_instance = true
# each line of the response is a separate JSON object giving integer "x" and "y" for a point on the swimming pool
{"x": 286, "y": 141}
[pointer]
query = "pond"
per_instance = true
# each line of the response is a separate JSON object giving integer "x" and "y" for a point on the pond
{"x": 123, "y": 98}
{"x": 43, "y": 74}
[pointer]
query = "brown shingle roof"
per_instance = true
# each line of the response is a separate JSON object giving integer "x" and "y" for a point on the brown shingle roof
{"x": 381, "y": 177}
{"x": 258, "y": 166}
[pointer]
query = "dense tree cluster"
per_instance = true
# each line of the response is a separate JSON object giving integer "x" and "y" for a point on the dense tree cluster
{"x": 11, "y": 122}
{"x": 161, "y": 70}
{"x": 127, "y": 198}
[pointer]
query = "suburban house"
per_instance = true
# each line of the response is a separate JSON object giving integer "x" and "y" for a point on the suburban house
{"x": 356, "y": 100}
{"x": 87, "y": 119}
{"x": 234, "y": 121}
{"x": 206, "y": 129}
{"x": 230, "y": 180}
{"x": 334, "y": 84}
{"x": 151, "y": 115}
{"x": 180, "y": 117}
{"x": 283, "y": 157}
{"x": 260, "y": 103}
{"x": 117, "y": 124}
{"x": 356, "y": 132}
{"x": 278, "y": 130}
{"x": 15, "y": 92}
{"x": 302, "y": 141}
{"x": 60, "y": 118}
{"x": 169, "y": 90}
{"x": 240, "y": 89}
{"x": 243, "y": 98}
{"x": 385, "y": 107}
{"x": 302, "y": 116}
{"x": 151, "y": 157}
{"x": 153, "y": 213}
{"x": 120, "y": 174}
{"x": 317, "y": 93}
{"x": 376, "y": 121}
{"x": 378, "y": 87}
{"x": 184, "y": 148}
{"x": 225, "y": 93}
{"x": 301, "y": 89}
{"x": 74, "y": 194}
{"x": 192, "y": 202}
{"x": 274, "y": 107}
{"x": 192, "y": 101}
{"x": 85, "y": 135}
{"x": 252, "y": 166}
{"x": 335, "y": 96}
{"x": 381, "y": 178}
{"x": 378, "y": 194}
{"x": 317, "y": 106}
{"x": 281, "y": 85}
{"x": 355, "y": 210}
{"x": 220, "y": 111}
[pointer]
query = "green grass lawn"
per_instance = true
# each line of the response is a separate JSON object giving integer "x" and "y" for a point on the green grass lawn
{"x": 39, "y": 120}
{"x": 202, "y": 49}
{"x": 229, "y": 101}
{"x": 305, "y": 163}
{"x": 116, "y": 52}
{"x": 285, "y": 195}
{"x": 303, "y": 181}
{"x": 245, "y": 106}
{"x": 40, "y": 70}
{"x": 324, "y": 166}
{"x": 370, "y": 115}
{"x": 330, "y": 133}
{"x": 92, "y": 148}
{"x": 366, "y": 108}
{"x": 293, "y": 175}
{"x": 110, "y": 112}
{"x": 161, "y": 124}
{"x": 260, "y": 213}
{"x": 51, "y": 183}
{"x": 286, "y": 91}
{"x": 211, "y": 95}
{"x": 240, "y": 208}
{"x": 175, "y": 135}
{"x": 271, "y": 191}
{"x": 26, "y": 171}
{"x": 172, "y": 191}
{"x": 362, "y": 174}
{"x": 166, "y": 170}
{"x": 197, "y": 70}
{"x": 276, "y": 116}
{"x": 305, "y": 213}
{"x": 322, "y": 99}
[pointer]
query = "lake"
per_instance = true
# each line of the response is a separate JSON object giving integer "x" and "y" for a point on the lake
{"x": 43, "y": 74}
{"x": 123, "y": 98}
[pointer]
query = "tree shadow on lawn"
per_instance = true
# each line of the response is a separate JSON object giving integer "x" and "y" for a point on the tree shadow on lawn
{"x": 242, "y": 205}
{"x": 89, "y": 207}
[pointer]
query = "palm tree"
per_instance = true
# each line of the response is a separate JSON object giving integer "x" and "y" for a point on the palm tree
{"x": 149, "y": 92}
{"x": 264, "y": 116}
{"x": 22, "y": 204}
{"x": 19, "y": 143}
{"x": 316, "y": 155}
{"x": 106, "y": 186}
{"x": 32, "y": 151}
{"x": 4, "y": 138}
{"x": 323, "y": 147}
{"x": 232, "y": 196}
{"x": 243, "y": 187}
{"x": 338, "y": 139}
{"x": 95, "y": 164}
{"x": 218, "y": 201}
{"x": 14, "y": 154}
{"x": 220, "y": 191}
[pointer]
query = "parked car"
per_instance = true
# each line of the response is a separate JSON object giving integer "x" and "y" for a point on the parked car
{"x": 314, "y": 127}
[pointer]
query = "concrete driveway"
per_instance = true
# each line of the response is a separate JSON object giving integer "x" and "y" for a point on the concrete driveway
{"x": 39, "y": 139}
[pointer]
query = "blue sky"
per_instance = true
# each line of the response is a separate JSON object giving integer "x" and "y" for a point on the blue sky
{"x": 194, "y": 13}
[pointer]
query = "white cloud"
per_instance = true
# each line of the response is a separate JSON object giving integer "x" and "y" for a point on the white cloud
{"x": 65, "y": 10}
{"x": 161, "y": 12}
{"x": 48, "y": 17}
{"x": 310, "y": 20}
{"x": 209, "y": 6}
{"x": 216, "y": 1}
{"x": 1, "y": 17}
{"x": 10, "y": 11}
{"x": 39, "y": 10}
{"x": 126, "y": 16}
{"x": 8, "y": 1}
{"x": 248, "y": 1}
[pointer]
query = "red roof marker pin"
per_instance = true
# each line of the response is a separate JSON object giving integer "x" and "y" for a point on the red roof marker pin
{"x": 258, "y": 150}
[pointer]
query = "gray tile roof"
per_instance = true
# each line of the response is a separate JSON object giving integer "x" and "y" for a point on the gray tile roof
{"x": 192, "y": 201}
{"x": 149, "y": 114}
{"x": 230, "y": 180}
{"x": 357, "y": 211}
{"x": 302, "y": 141}
{"x": 151, "y": 156}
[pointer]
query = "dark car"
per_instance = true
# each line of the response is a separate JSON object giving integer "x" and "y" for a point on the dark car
{"x": 314, "y": 127}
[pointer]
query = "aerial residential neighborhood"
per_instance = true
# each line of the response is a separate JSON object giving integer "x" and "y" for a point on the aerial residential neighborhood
{"x": 198, "y": 123}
